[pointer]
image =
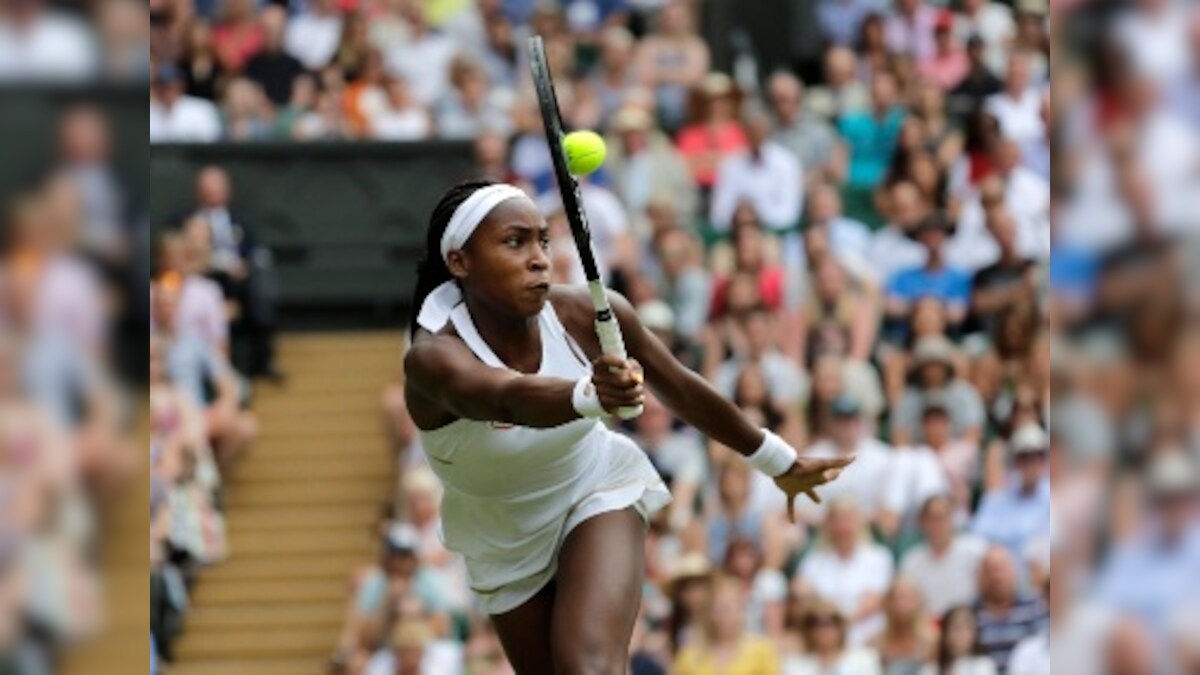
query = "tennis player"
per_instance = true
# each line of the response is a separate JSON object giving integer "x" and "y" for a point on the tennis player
{"x": 506, "y": 381}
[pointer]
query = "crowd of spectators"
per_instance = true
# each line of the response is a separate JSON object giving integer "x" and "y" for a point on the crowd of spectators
{"x": 74, "y": 42}
{"x": 208, "y": 338}
{"x": 861, "y": 260}
{"x": 66, "y": 412}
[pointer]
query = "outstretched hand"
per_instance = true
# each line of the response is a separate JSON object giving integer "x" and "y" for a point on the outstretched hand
{"x": 806, "y": 475}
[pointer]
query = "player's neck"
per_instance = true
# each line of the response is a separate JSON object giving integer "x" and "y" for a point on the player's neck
{"x": 516, "y": 340}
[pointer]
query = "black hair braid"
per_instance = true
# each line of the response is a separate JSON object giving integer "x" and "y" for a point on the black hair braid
{"x": 431, "y": 270}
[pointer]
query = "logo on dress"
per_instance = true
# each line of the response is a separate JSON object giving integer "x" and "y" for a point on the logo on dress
{"x": 501, "y": 426}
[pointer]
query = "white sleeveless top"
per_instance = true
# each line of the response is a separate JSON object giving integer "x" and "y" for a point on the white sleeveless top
{"x": 513, "y": 493}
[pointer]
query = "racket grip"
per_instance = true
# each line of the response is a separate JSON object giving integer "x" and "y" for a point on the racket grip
{"x": 612, "y": 343}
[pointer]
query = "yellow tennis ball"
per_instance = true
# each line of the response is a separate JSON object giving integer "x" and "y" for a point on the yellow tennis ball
{"x": 585, "y": 151}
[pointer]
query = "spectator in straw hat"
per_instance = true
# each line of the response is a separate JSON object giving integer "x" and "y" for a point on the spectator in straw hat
{"x": 934, "y": 374}
{"x": 1017, "y": 512}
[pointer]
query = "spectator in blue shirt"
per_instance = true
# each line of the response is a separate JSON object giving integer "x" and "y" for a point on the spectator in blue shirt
{"x": 840, "y": 21}
{"x": 1156, "y": 573}
{"x": 950, "y": 285}
{"x": 1015, "y": 515}
{"x": 871, "y": 135}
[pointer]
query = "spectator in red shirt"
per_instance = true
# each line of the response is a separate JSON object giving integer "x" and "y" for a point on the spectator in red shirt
{"x": 948, "y": 65}
{"x": 238, "y": 36}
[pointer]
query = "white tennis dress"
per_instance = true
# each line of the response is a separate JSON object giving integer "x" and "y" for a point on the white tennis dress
{"x": 512, "y": 493}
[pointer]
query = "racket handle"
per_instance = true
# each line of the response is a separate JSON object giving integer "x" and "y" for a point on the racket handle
{"x": 613, "y": 344}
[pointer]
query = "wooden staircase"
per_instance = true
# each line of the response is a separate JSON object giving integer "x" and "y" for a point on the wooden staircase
{"x": 300, "y": 510}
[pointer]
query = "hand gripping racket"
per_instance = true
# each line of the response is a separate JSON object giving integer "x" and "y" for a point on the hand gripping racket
{"x": 607, "y": 328}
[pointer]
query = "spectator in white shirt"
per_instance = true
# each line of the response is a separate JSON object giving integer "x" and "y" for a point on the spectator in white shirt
{"x": 314, "y": 34}
{"x": 766, "y": 175}
{"x": 864, "y": 480}
{"x": 400, "y": 119}
{"x": 176, "y": 117}
{"x": 424, "y": 61}
{"x": 1027, "y": 196}
{"x": 40, "y": 45}
{"x": 892, "y": 247}
{"x": 849, "y": 239}
{"x": 993, "y": 23}
{"x": 1018, "y": 107}
{"x": 946, "y": 566}
{"x": 1154, "y": 34}
{"x": 850, "y": 570}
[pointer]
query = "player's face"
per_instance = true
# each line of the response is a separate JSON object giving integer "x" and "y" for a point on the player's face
{"x": 506, "y": 263}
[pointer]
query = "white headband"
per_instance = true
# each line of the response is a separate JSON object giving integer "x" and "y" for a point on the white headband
{"x": 471, "y": 213}
{"x": 435, "y": 310}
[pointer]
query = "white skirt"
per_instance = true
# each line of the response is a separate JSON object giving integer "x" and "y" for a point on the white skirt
{"x": 503, "y": 577}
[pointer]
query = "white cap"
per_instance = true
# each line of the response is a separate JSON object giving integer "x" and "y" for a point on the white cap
{"x": 1029, "y": 439}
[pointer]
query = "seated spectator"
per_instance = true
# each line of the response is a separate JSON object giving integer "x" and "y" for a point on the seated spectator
{"x": 991, "y": 23}
{"x": 838, "y": 317}
{"x": 646, "y": 168}
{"x": 689, "y": 589}
{"x": 945, "y": 566}
{"x": 829, "y": 649}
{"x": 313, "y": 34}
{"x": 751, "y": 395}
{"x": 354, "y": 44}
{"x": 848, "y": 239}
{"x": 935, "y": 278}
{"x": 687, "y": 283}
{"x": 677, "y": 453}
{"x": 272, "y": 68}
{"x": 979, "y": 83}
{"x": 472, "y": 106}
{"x": 863, "y": 481}
{"x": 726, "y": 647}
{"x": 958, "y": 647}
{"x": 934, "y": 375}
{"x": 1028, "y": 198}
{"x": 410, "y": 653}
{"x": 202, "y": 310}
{"x": 1014, "y": 513}
{"x": 893, "y": 247}
{"x": 238, "y": 35}
{"x": 871, "y": 135}
{"x": 714, "y": 132}
{"x": 400, "y": 118}
{"x": 1031, "y": 656}
{"x": 949, "y": 64}
{"x": 765, "y": 588}
{"x": 672, "y": 60}
{"x": 1004, "y": 615}
{"x": 200, "y": 64}
{"x": 840, "y": 21}
{"x": 366, "y": 94}
{"x": 424, "y": 60}
{"x": 1155, "y": 568}
{"x": 617, "y": 70}
{"x": 1005, "y": 283}
{"x": 909, "y": 637}
{"x": 957, "y": 458}
{"x": 910, "y": 28}
{"x": 246, "y": 114}
{"x": 785, "y": 382}
{"x": 1018, "y": 105}
{"x": 850, "y": 570}
{"x": 764, "y": 175}
{"x": 916, "y": 475}
{"x": 755, "y": 256}
{"x": 399, "y": 579}
{"x": 168, "y": 592}
{"x": 810, "y": 139}
{"x": 176, "y": 117}
{"x": 842, "y": 93}
{"x": 734, "y": 515}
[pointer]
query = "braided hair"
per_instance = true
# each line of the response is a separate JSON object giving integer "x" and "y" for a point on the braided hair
{"x": 431, "y": 270}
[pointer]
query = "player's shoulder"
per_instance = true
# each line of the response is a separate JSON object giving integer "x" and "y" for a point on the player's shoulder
{"x": 435, "y": 354}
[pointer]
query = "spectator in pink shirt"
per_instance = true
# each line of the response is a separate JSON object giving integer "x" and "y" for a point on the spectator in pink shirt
{"x": 202, "y": 311}
{"x": 238, "y": 36}
{"x": 910, "y": 29}
{"x": 715, "y": 134}
{"x": 948, "y": 65}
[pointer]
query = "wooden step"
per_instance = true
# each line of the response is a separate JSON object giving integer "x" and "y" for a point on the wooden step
{"x": 263, "y": 642}
{"x": 325, "y": 342}
{"x": 325, "y": 426}
{"x": 280, "y": 592}
{"x": 337, "y": 565}
{"x": 332, "y": 492}
{"x": 360, "y": 442}
{"x": 298, "y": 614}
{"x": 332, "y": 384}
{"x": 278, "y": 666}
{"x": 315, "y": 402}
{"x": 300, "y": 542}
{"x": 266, "y": 469}
{"x": 269, "y": 518}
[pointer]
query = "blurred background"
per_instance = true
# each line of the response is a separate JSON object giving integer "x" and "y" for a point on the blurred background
{"x": 842, "y": 212}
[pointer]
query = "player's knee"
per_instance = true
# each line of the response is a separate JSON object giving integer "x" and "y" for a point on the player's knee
{"x": 587, "y": 656}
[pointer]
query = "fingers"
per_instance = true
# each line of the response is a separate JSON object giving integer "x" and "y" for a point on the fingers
{"x": 791, "y": 508}
{"x": 812, "y": 494}
{"x": 618, "y": 382}
{"x": 831, "y": 463}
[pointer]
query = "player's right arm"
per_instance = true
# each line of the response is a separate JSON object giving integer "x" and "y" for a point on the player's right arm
{"x": 442, "y": 370}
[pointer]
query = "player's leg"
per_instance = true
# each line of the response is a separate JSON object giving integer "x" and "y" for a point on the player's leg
{"x": 600, "y": 570}
{"x": 525, "y": 633}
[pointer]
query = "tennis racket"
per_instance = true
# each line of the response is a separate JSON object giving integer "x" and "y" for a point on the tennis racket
{"x": 607, "y": 328}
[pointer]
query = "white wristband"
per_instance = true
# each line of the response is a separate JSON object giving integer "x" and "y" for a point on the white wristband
{"x": 585, "y": 400}
{"x": 774, "y": 456}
